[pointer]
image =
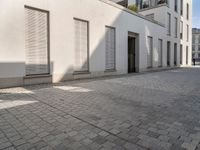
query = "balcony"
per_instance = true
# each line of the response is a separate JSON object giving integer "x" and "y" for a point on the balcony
{"x": 151, "y": 3}
{"x": 160, "y": 2}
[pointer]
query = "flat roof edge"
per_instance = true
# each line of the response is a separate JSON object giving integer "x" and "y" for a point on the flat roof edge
{"x": 131, "y": 12}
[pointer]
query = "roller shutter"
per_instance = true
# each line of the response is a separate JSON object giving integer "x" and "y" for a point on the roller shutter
{"x": 81, "y": 46}
{"x": 150, "y": 52}
{"x": 110, "y": 48}
{"x": 36, "y": 42}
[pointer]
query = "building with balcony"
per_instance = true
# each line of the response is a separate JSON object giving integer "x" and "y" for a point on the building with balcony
{"x": 176, "y": 15}
{"x": 44, "y": 41}
{"x": 195, "y": 43}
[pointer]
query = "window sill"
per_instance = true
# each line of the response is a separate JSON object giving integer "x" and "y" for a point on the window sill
{"x": 81, "y": 72}
{"x": 113, "y": 70}
{"x": 38, "y": 76}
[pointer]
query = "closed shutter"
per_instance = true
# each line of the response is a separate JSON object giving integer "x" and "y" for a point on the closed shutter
{"x": 36, "y": 42}
{"x": 149, "y": 52}
{"x": 110, "y": 48}
{"x": 81, "y": 45}
{"x": 159, "y": 52}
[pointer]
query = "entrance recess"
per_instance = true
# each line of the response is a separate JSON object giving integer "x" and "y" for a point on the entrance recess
{"x": 131, "y": 54}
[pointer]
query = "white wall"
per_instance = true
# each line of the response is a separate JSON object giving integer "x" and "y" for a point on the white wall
{"x": 98, "y": 13}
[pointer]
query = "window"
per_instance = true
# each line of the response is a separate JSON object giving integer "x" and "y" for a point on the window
{"x": 181, "y": 54}
{"x": 186, "y": 55}
{"x": 181, "y": 30}
{"x": 110, "y": 48}
{"x": 187, "y": 11}
{"x": 37, "y": 41}
{"x": 168, "y": 53}
{"x": 199, "y": 39}
{"x": 160, "y": 48}
{"x": 169, "y": 24}
{"x": 150, "y": 16}
{"x": 181, "y": 7}
{"x": 193, "y": 47}
{"x": 199, "y": 55}
{"x": 176, "y": 5}
{"x": 193, "y": 55}
{"x": 187, "y": 33}
{"x": 175, "y": 54}
{"x": 145, "y": 4}
{"x": 198, "y": 47}
{"x": 193, "y": 39}
{"x": 81, "y": 45}
{"x": 159, "y": 2}
{"x": 176, "y": 27}
{"x": 150, "y": 52}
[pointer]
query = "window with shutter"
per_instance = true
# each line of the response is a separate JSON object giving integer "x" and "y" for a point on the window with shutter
{"x": 160, "y": 52}
{"x": 81, "y": 46}
{"x": 150, "y": 52}
{"x": 110, "y": 48}
{"x": 36, "y": 41}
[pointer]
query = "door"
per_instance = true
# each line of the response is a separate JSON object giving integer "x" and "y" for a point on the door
{"x": 175, "y": 54}
{"x": 168, "y": 53}
{"x": 131, "y": 54}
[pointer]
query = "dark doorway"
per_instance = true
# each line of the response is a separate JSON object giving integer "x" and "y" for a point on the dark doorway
{"x": 168, "y": 53}
{"x": 131, "y": 54}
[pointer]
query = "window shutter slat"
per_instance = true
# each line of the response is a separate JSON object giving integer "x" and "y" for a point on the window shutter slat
{"x": 36, "y": 42}
{"x": 81, "y": 45}
{"x": 110, "y": 48}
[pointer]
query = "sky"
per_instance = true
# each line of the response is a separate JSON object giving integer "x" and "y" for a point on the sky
{"x": 196, "y": 13}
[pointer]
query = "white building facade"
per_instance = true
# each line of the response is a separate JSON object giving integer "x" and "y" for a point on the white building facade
{"x": 44, "y": 41}
{"x": 176, "y": 15}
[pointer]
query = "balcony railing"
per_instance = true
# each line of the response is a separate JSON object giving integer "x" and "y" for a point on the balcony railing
{"x": 151, "y": 3}
{"x": 159, "y": 2}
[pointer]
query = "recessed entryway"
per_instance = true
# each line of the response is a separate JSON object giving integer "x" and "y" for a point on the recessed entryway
{"x": 132, "y": 52}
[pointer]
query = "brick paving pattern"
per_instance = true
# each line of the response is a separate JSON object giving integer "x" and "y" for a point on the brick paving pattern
{"x": 153, "y": 111}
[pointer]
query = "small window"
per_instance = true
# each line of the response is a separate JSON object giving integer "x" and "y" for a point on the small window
{"x": 193, "y": 47}
{"x": 169, "y": 24}
{"x": 186, "y": 55}
{"x": 187, "y": 11}
{"x": 198, "y": 47}
{"x": 181, "y": 30}
{"x": 193, "y": 55}
{"x": 199, "y": 55}
{"x": 193, "y": 39}
{"x": 187, "y": 33}
{"x": 150, "y": 16}
{"x": 181, "y": 7}
{"x": 175, "y": 5}
{"x": 181, "y": 54}
{"x": 176, "y": 27}
{"x": 199, "y": 38}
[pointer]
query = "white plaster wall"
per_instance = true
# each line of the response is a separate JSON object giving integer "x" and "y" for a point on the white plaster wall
{"x": 62, "y": 13}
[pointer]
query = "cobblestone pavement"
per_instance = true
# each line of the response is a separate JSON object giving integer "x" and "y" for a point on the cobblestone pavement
{"x": 153, "y": 111}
